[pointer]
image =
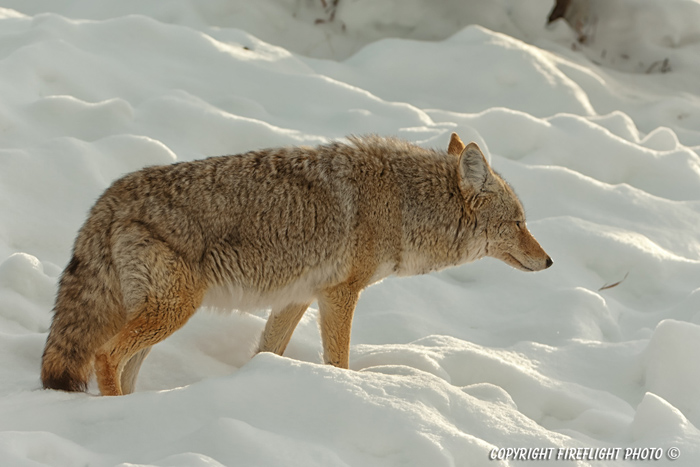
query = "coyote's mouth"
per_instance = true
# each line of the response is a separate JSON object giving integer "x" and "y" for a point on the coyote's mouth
{"x": 515, "y": 260}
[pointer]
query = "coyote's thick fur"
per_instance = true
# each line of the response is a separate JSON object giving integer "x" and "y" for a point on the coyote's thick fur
{"x": 277, "y": 228}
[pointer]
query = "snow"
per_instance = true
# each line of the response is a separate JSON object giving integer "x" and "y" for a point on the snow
{"x": 446, "y": 367}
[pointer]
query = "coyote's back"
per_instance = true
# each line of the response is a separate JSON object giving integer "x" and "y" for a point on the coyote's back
{"x": 277, "y": 228}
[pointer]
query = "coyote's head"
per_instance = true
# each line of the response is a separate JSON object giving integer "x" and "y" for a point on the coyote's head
{"x": 499, "y": 216}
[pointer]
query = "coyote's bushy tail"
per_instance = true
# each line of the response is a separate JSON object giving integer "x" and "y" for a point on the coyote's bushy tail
{"x": 87, "y": 313}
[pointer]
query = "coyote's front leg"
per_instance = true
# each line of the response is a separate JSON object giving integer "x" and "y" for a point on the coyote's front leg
{"x": 336, "y": 306}
{"x": 279, "y": 328}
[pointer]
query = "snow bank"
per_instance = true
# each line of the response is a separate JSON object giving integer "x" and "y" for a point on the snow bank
{"x": 595, "y": 353}
{"x": 471, "y": 71}
{"x": 668, "y": 374}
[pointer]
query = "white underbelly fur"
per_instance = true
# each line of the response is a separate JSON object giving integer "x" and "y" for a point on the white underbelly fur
{"x": 303, "y": 290}
{"x": 234, "y": 297}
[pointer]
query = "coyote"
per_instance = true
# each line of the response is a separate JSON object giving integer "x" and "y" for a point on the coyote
{"x": 276, "y": 228}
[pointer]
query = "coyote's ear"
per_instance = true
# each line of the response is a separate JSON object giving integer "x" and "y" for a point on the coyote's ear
{"x": 456, "y": 145}
{"x": 474, "y": 170}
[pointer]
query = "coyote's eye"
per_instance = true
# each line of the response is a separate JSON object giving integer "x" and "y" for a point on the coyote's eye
{"x": 517, "y": 224}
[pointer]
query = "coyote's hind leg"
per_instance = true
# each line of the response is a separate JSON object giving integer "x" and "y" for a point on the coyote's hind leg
{"x": 160, "y": 316}
{"x": 161, "y": 292}
{"x": 131, "y": 370}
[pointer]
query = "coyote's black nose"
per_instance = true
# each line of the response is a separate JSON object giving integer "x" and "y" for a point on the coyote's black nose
{"x": 549, "y": 262}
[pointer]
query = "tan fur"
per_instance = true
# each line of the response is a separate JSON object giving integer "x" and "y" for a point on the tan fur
{"x": 277, "y": 228}
{"x": 456, "y": 145}
{"x": 279, "y": 328}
